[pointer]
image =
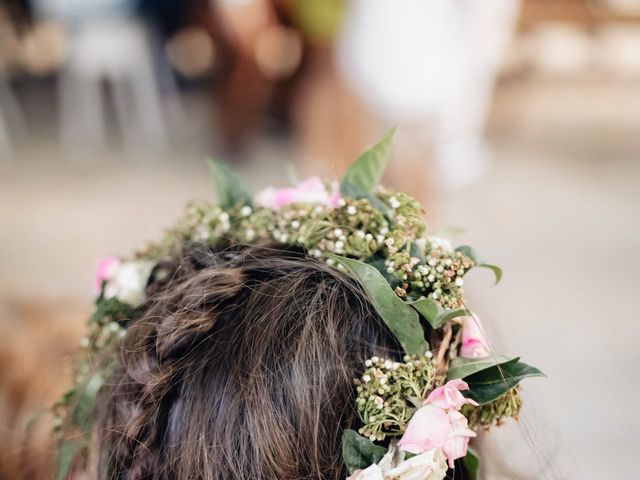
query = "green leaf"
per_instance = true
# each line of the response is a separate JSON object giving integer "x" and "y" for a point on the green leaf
{"x": 471, "y": 463}
{"x": 84, "y": 401}
{"x": 359, "y": 452}
{"x": 378, "y": 263}
{"x": 467, "y": 251}
{"x": 433, "y": 312}
{"x": 66, "y": 456}
{"x": 488, "y": 384}
{"x": 463, "y": 367}
{"x": 349, "y": 190}
{"x": 402, "y": 320}
{"x": 232, "y": 190}
{"x": 365, "y": 173}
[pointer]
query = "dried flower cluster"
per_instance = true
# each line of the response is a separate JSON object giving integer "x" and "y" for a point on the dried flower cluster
{"x": 494, "y": 413}
{"x": 415, "y": 265}
{"x": 390, "y": 392}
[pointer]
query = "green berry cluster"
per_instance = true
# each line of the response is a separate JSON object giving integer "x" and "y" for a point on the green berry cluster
{"x": 484, "y": 416}
{"x": 388, "y": 393}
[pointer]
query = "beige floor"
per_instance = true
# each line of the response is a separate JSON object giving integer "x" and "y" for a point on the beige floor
{"x": 558, "y": 211}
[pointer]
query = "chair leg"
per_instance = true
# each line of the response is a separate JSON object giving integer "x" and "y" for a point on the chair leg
{"x": 81, "y": 114}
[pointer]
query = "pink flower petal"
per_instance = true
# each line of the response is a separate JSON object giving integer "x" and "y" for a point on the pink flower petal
{"x": 284, "y": 196}
{"x": 428, "y": 428}
{"x": 459, "y": 424}
{"x": 311, "y": 190}
{"x": 448, "y": 396}
{"x": 105, "y": 270}
{"x": 474, "y": 342}
{"x": 454, "y": 448}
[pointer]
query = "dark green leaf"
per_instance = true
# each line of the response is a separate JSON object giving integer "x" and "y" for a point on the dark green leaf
{"x": 488, "y": 384}
{"x": 467, "y": 251}
{"x": 401, "y": 319}
{"x": 365, "y": 173}
{"x": 416, "y": 251}
{"x": 359, "y": 452}
{"x": 232, "y": 190}
{"x": 463, "y": 367}
{"x": 433, "y": 312}
{"x": 471, "y": 464}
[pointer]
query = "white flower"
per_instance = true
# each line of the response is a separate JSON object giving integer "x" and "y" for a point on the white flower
{"x": 429, "y": 465}
{"x": 372, "y": 472}
{"x": 128, "y": 282}
{"x": 443, "y": 243}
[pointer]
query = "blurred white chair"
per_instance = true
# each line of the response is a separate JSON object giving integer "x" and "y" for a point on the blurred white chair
{"x": 107, "y": 42}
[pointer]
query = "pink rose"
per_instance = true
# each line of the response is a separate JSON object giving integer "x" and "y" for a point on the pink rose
{"x": 106, "y": 268}
{"x": 474, "y": 343}
{"x": 448, "y": 396}
{"x": 429, "y": 428}
{"x": 311, "y": 190}
{"x": 439, "y": 424}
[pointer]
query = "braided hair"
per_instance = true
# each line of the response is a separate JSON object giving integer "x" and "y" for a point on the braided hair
{"x": 240, "y": 367}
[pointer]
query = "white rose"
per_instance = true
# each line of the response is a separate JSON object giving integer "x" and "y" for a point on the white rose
{"x": 128, "y": 282}
{"x": 430, "y": 465}
{"x": 372, "y": 472}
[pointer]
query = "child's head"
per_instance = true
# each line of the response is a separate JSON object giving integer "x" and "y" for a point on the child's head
{"x": 347, "y": 345}
{"x": 240, "y": 367}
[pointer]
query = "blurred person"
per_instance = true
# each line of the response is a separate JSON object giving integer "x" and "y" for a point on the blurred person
{"x": 429, "y": 67}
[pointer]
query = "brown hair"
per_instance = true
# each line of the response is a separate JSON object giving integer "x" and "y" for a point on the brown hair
{"x": 241, "y": 367}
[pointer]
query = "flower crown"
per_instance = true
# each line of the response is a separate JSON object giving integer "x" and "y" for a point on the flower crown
{"x": 417, "y": 415}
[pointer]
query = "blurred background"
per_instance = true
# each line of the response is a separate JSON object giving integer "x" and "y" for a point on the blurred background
{"x": 519, "y": 120}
